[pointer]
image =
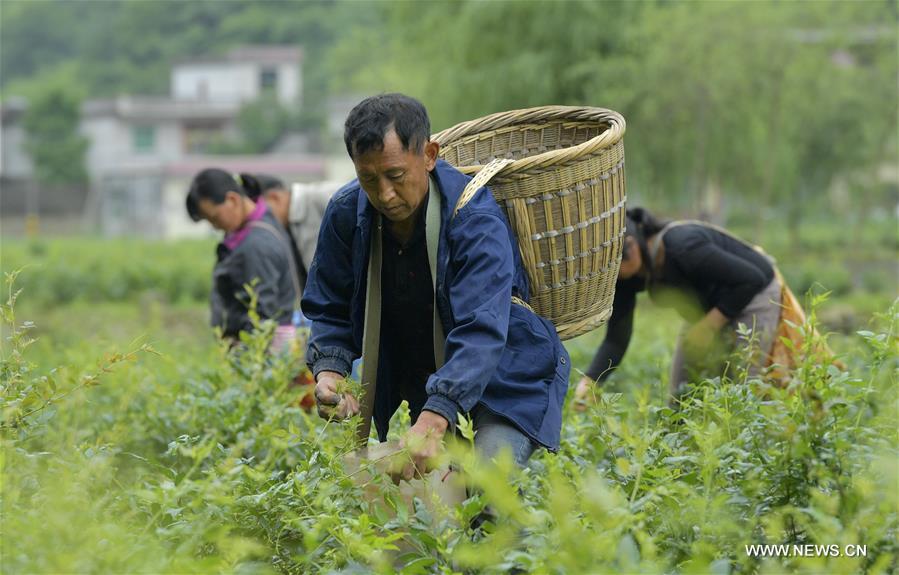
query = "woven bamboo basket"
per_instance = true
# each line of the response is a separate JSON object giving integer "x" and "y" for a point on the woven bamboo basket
{"x": 558, "y": 171}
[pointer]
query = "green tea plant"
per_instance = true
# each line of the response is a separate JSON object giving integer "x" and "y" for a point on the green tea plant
{"x": 200, "y": 460}
{"x": 96, "y": 270}
{"x": 27, "y": 398}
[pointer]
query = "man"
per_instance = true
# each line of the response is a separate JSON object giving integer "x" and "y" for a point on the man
{"x": 504, "y": 365}
{"x": 300, "y": 211}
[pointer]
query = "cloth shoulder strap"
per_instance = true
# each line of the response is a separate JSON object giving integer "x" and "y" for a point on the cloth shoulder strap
{"x": 718, "y": 229}
{"x": 432, "y": 236}
{"x": 371, "y": 332}
{"x": 294, "y": 275}
{"x": 372, "y": 328}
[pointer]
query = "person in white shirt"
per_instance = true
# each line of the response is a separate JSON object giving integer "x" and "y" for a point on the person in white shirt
{"x": 300, "y": 211}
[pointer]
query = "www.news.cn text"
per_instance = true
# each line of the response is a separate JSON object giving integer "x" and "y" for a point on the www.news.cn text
{"x": 807, "y": 550}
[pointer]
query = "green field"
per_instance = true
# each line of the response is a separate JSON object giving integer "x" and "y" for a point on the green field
{"x": 132, "y": 443}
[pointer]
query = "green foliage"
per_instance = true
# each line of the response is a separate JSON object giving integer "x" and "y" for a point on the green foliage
{"x": 108, "y": 48}
{"x": 259, "y": 124}
{"x": 55, "y": 273}
{"x": 51, "y": 125}
{"x": 741, "y": 97}
{"x": 730, "y": 105}
{"x": 25, "y": 397}
{"x": 199, "y": 460}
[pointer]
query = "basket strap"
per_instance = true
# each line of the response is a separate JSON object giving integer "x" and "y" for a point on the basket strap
{"x": 479, "y": 181}
{"x": 372, "y": 327}
{"x": 521, "y": 302}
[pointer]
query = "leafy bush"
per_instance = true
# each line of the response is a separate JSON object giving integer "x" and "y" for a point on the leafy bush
{"x": 203, "y": 462}
{"x": 55, "y": 273}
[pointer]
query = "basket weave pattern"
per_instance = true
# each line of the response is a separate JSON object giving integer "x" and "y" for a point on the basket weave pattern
{"x": 565, "y": 197}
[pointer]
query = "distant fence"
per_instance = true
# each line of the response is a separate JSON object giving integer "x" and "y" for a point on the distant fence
{"x": 18, "y": 197}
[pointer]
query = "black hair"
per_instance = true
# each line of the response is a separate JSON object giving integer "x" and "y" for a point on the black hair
{"x": 213, "y": 184}
{"x": 373, "y": 117}
{"x": 640, "y": 225}
{"x": 268, "y": 182}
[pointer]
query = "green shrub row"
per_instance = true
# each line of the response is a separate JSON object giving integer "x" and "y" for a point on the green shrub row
{"x": 202, "y": 462}
{"x": 56, "y": 272}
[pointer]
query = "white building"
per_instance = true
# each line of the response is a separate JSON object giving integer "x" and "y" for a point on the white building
{"x": 243, "y": 75}
{"x": 141, "y": 147}
{"x": 15, "y": 163}
{"x": 138, "y": 132}
{"x": 150, "y": 201}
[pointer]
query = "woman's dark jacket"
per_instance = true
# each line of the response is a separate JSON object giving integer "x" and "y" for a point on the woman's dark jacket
{"x": 703, "y": 269}
{"x": 260, "y": 260}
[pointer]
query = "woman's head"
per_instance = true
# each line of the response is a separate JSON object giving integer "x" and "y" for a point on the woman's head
{"x": 222, "y": 199}
{"x": 640, "y": 226}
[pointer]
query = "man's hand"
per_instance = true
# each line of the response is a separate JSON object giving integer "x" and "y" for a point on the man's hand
{"x": 423, "y": 441}
{"x": 332, "y": 404}
{"x": 697, "y": 341}
{"x": 585, "y": 393}
{"x": 701, "y": 335}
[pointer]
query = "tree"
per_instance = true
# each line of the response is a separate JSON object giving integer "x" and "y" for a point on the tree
{"x": 52, "y": 138}
{"x": 261, "y": 123}
{"x": 754, "y": 101}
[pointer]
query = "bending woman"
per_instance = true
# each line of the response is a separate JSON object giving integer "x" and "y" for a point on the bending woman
{"x": 714, "y": 280}
{"x": 254, "y": 251}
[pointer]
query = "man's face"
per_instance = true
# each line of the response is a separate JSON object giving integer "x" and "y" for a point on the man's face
{"x": 396, "y": 180}
{"x": 278, "y": 201}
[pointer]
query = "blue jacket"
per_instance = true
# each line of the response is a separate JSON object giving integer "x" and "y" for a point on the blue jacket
{"x": 498, "y": 354}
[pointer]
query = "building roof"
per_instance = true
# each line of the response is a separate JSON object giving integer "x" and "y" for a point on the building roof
{"x": 307, "y": 167}
{"x": 312, "y": 166}
{"x": 260, "y": 54}
{"x": 12, "y": 109}
{"x": 159, "y": 108}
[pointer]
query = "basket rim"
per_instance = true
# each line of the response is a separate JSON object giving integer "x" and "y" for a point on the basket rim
{"x": 493, "y": 122}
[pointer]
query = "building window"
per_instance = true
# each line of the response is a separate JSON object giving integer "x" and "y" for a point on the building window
{"x": 268, "y": 79}
{"x": 199, "y": 138}
{"x": 143, "y": 138}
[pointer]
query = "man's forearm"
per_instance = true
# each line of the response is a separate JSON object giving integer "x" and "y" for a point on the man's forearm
{"x": 432, "y": 420}
{"x": 715, "y": 319}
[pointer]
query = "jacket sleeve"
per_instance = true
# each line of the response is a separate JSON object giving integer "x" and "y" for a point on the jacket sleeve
{"x": 480, "y": 300}
{"x": 618, "y": 335}
{"x": 329, "y": 290}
